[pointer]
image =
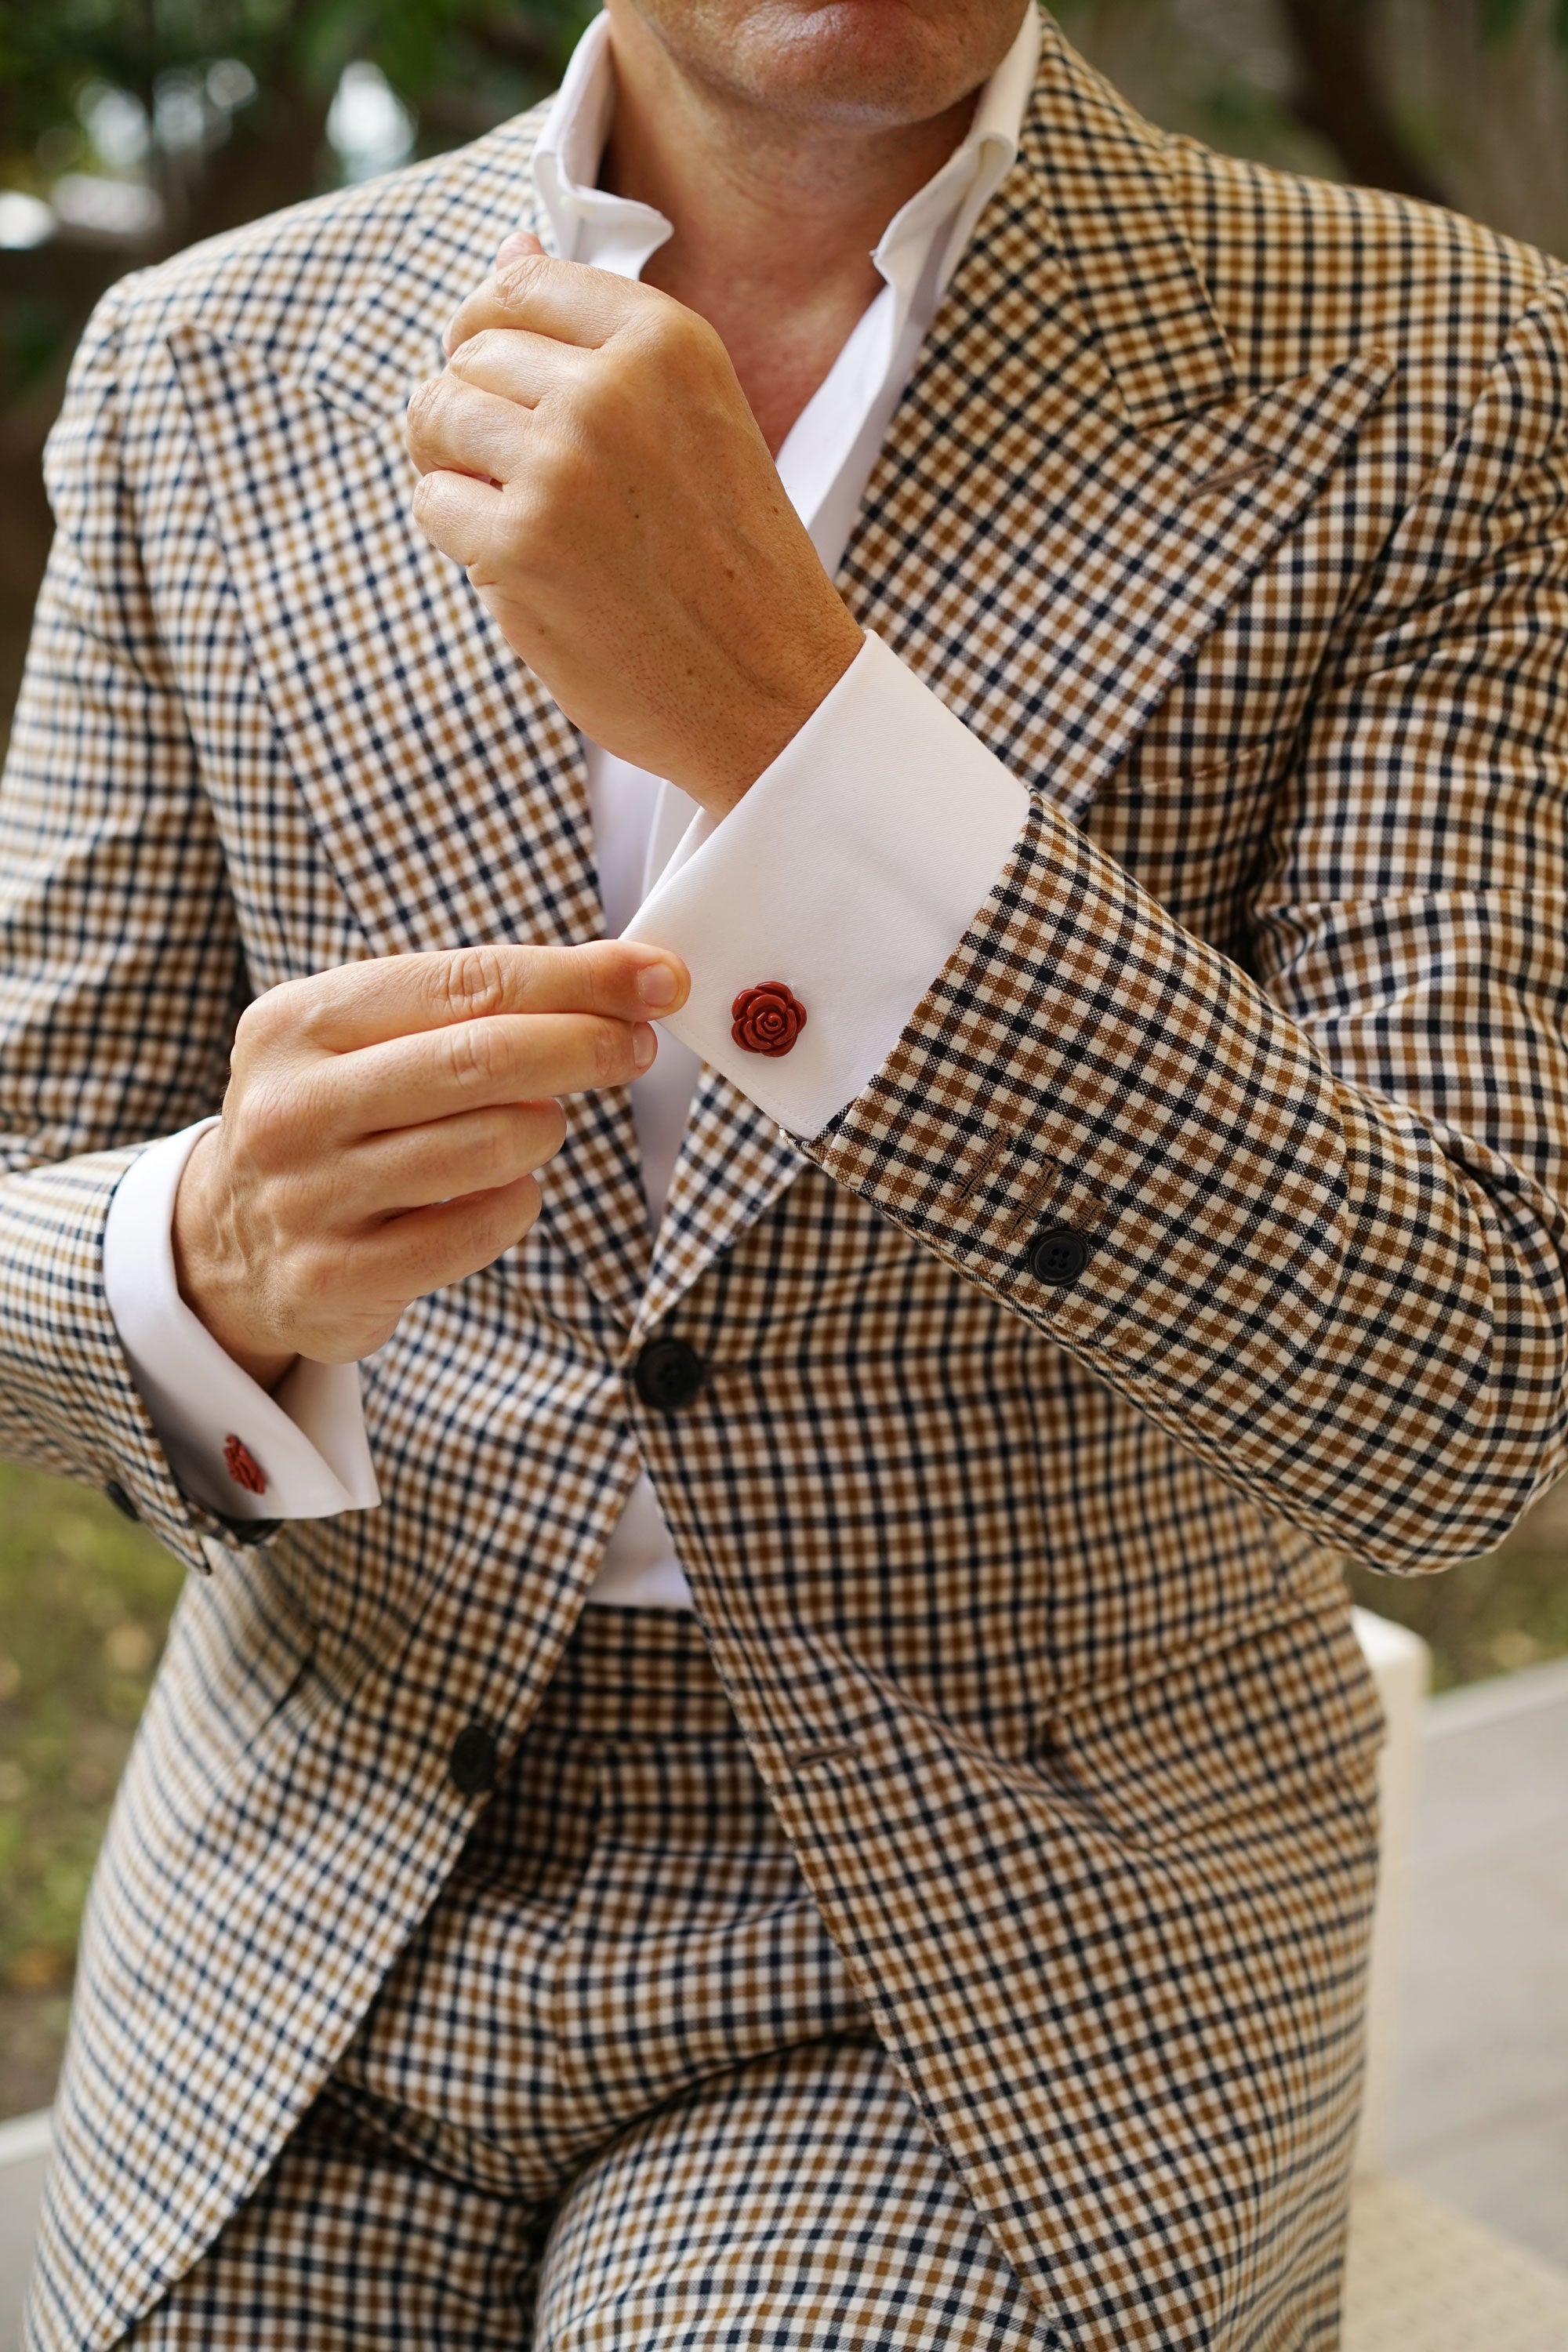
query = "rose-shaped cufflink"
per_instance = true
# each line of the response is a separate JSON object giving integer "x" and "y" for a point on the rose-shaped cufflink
{"x": 243, "y": 1466}
{"x": 766, "y": 1019}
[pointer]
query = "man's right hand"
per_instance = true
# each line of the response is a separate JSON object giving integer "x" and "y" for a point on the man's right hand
{"x": 382, "y": 1130}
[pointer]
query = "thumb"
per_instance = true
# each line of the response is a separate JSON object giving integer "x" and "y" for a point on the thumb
{"x": 517, "y": 246}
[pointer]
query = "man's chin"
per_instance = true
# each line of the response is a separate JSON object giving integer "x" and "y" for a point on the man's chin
{"x": 853, "y": 62}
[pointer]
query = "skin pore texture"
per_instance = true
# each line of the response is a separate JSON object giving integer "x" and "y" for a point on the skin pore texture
{"x": 779, "y": 139}
{"x": 598, "y": 455}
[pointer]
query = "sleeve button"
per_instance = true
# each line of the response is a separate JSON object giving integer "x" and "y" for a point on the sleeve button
{"x": 1058, "y": 1256}
{"x": 472, "y": 1762}
{"x": 121, "y": 1501}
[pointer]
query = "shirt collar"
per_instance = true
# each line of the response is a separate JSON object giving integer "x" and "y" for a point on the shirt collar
{"x": 965, "y": 183}
{"x": 582, "y": 222}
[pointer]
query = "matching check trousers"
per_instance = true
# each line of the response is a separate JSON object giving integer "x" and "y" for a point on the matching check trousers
{"x": 619, "y": 2090}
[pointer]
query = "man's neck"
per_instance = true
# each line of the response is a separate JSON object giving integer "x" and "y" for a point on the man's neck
{"x": 774, "y": 220}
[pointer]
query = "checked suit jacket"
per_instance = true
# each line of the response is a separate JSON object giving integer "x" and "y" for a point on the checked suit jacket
{"x": 1228, "y": 510}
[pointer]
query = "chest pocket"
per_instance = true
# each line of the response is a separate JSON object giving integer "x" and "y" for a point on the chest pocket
{"x": 1193, "y": 840}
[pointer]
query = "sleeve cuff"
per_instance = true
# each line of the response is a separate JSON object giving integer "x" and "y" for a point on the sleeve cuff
{"x": 306, "y": 1439}
{"x": 851, "y": 871}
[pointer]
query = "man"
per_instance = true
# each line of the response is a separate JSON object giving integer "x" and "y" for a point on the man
{"x": 1104, "y": 1163}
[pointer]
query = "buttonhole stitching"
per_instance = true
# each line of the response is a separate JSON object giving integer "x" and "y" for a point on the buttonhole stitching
{"x": 996, "y": 1144}
{"x": 1230, "y": 478}
{"x": 829, "y": 1752}
{"x": 1078, "y": 1202}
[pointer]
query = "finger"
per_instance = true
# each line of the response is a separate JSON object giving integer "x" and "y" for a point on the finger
{"x": 513, "y": 248}
{"x": 456, "y": 425}
{"x": 499, "y": 1058}
{"x": 459, "y": 516}
{"x": 568, "y": 300}
{"x": 447, "y": 1159}
{"x": 426, "y": 1249}
{"x": 358, "y": 1004}
{"x": 519, "y": 366}
{"x": 355, "y": 1005}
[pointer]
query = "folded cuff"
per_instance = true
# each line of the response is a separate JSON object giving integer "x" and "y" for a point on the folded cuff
{"x": 306, "y": 1440}
{"x": 849, "y": 872}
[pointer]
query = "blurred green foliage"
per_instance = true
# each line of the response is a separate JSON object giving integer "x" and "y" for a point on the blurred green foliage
{"x": 1490, "y": 1615}
{"x": 85, "y": 1598}
{"x": 467, "y": 59}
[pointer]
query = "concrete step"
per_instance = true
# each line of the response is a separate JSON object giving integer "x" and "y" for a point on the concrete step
{"x": 1422, "y": 2278}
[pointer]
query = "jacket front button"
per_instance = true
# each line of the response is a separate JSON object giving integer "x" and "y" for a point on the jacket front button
{"x": 1058, "y": 1256}
{"x": 472, "y": 1762}
{"x": 668, "y": 1375}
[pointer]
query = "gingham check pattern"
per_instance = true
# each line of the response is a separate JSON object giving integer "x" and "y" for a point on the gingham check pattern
{"x": 625, "y": 1919}
{"x": 795, "y": 2205}
{"x": 618, "y": 2089}
{"x": 1229, "y": 510}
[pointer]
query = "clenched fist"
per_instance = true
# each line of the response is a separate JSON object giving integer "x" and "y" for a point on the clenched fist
{"x": 382, "y": 1129}
{"x": 589, "y": 456}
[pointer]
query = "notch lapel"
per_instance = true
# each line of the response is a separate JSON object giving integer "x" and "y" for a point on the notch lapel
{"x": 446, "y": 786}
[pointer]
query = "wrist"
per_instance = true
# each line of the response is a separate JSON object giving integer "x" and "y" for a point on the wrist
{"x": 210, "y": 1280}
{"x": 736, "y": 755}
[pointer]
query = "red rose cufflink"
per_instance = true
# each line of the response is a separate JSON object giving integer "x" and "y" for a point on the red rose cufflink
{"x": 243, "y": 1466}
{"x": 766, "y": 1019}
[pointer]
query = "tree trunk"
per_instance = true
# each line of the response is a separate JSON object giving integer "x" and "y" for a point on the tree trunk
{"x": 274, "y": 158}
{"x": 1340, "y": 97}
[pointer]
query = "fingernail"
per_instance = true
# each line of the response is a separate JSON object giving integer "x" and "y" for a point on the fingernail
{"x": 644, "y": 1045}
{"x": 655, "y": 985}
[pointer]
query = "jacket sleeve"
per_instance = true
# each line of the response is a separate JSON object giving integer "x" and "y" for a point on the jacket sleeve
{"x": 1309, "y": 1214}
{"x": 120, "y": 974}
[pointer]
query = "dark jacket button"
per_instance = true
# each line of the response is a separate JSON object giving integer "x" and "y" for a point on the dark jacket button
{"x": 472, "y": 1762}
{"x": 668, "y": 1375}
{"x": 121, "y": 1500}
{"x": 1058, "y": 1256}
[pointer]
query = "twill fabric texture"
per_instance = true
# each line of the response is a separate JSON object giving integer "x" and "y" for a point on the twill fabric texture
{"x": 1229, "y": 510}
{"x": 618, "y": 2088}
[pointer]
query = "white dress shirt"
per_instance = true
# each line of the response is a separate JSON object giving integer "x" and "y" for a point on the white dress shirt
{"x": 850, "y": 870}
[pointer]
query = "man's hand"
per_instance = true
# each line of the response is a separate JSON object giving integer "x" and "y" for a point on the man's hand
{"x": 382, "y": 1130}
{"x": 589, "y": 456}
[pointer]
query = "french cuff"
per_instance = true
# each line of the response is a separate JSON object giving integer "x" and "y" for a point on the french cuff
{"x": 298, "y": 1453}
{"x": 844, "y": 878}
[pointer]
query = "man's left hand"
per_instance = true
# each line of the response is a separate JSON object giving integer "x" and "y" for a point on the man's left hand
{"x": 588, "y": 454}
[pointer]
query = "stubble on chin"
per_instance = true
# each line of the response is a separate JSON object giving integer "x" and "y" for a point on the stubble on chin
{"x": 819, "y": 62}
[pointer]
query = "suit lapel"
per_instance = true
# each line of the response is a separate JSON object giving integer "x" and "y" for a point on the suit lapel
{"x": 1072, "y": 492}
{"x": 1069, "y": 496}
{"x": 446, "y": 786}
{"x": 734, "y": 1163}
